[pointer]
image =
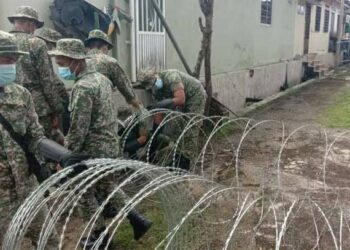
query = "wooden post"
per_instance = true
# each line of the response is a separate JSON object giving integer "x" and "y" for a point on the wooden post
{"x": 207, "y": 7}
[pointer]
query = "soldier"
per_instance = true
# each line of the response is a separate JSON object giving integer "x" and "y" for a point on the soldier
{"x": 173, "y": 89}
{"x": 34, "y": 71}
{"x": 98, "y": 45}
{"x": 93, "y": 129}
{"x": 51, "y": 37}
{"x": 19, "y": 119}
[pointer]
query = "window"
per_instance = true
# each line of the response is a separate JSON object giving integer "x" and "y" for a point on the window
{"x": 266, "y": 11}
{"x": 326, "y": 21}
{"x": 318, "y": 18}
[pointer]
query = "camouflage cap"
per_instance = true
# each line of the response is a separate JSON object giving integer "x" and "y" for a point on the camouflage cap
{"x": 49, "y": 35}
{"x": 69, "y": 47}
{"x": 98, "y": 35}
{"x": 147, "y": 77}
{"x": 8, "y": 46}
{"x": 27, "y": 12}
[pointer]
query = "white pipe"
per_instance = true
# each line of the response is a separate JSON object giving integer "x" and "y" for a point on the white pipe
{"x": 133, "y": 41}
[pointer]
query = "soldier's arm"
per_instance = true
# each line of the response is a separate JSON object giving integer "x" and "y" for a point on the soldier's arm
{"x": 35, "y": 131}
{"x": 177, "y": 87}
{"x": 62, "y": 91}
{"x": 45, "y": 70}
{"x": 81, "y": 110}
{"x": 120, "y": 80}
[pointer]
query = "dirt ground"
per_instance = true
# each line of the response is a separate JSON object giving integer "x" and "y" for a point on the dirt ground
{"x": 312, "y": 168}
{"x": 290, "y": 160}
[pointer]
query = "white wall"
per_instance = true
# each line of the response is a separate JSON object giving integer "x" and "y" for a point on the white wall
{"x": 319, "y": 41}
{"x": 233, "y": 88}
{"x": 299, "y": 33}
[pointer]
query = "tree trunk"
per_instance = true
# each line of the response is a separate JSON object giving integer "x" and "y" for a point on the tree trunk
{"x": 207, "y": 7}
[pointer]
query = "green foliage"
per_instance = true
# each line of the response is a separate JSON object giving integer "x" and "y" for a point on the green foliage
{"x": 125, "y": 238}
{"x": 338, "y": 114}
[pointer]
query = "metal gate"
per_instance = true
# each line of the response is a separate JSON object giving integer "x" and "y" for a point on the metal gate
{"x": 150, "y": 36}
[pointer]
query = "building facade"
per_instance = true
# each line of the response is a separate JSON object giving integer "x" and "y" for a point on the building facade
{"x": 258, "y": 45}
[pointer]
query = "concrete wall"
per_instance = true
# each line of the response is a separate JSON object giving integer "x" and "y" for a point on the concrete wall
{"x": 239, "y": 39}
{"x": 299, "y": 33}
{"x": 328, "y": 59}
{"x": 233, "y": 88}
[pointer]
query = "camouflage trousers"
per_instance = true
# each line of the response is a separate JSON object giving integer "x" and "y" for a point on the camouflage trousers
{"x": 188, "y": 144}
{"x": 96, "y": 195}
{"x": 8, "y": 207}
{"x": 46, "y": 122}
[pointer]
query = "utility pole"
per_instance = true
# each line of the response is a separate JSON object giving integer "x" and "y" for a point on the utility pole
{"x": 340, "y": 32}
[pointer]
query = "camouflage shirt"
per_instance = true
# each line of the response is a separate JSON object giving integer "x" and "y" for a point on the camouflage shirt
{"x": 93, "y": 129}
{"x": 17, "y": 106}
{"x": 35, "y": 73}
{"x": 110, "y": 67}
{"x": 195, "y": 93}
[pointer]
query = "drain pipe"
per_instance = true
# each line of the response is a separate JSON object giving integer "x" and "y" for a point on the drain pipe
{"x": 133, "y": 41}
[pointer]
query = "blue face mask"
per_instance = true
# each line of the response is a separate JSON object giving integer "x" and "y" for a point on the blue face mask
{"x": 7, "y": 74}
{"x": 66, "y": 74}
{"x": 159, "y": 83}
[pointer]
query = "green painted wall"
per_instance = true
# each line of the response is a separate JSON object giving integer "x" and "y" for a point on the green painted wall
{"x": 239, "y": 40}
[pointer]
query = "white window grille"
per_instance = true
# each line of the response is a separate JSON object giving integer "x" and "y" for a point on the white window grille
{"x": 266, "y": 12}
{"x": 150, "y": 36}
{"x": 326, "y": 21}
{"x": 318, "y": 18}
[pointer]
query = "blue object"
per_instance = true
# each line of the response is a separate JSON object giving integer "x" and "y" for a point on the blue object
{"x": 159, "y": 83}
{"x": 7, "y": 74}
{"x": 66, "y": 74}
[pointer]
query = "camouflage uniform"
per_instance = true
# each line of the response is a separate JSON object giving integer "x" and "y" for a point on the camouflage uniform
{"x": 16, "y": 182}
{"x": 35, "y": 72}
{"x": 93, "y": 127}
{"x": 51, "y": 37}
{"x": 109, "y": 67}
{"x": 195, "y": 103}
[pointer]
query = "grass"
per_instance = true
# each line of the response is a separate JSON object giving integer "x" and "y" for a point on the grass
{"x": 338, "y": 114}
{"x": 125, "y": 237}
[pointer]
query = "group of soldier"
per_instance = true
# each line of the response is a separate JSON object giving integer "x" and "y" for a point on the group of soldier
{"x": 35, "y": 107}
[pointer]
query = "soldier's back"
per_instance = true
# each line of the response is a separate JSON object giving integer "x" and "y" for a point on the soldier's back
{"x": 28, "y": 69}
{"x": 102, "y": 139}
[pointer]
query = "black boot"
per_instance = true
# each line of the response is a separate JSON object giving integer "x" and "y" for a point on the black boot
{"x": 89, "y": 242}
{"x": 140, "y": 224}
{"x": 109, "y": 212}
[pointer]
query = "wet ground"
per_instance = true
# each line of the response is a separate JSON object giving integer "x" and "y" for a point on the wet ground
{"x": 290, "y": 157}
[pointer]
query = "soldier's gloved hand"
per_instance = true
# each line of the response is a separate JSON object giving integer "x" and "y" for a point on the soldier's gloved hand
{"x": 77, "y": 161}
{"x": 166, "y": 103}
{"x": 54, "y": 152}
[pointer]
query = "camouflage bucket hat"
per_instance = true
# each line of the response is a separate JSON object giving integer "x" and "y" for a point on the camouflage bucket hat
{"x": 98, "y": 35}
{"x": 146, "y": 78}
{"x": 69, "y": 47}
{"x": 8, "y": 46}
{"x": 27, "y": 12}
{"x": 49, "y": 35}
